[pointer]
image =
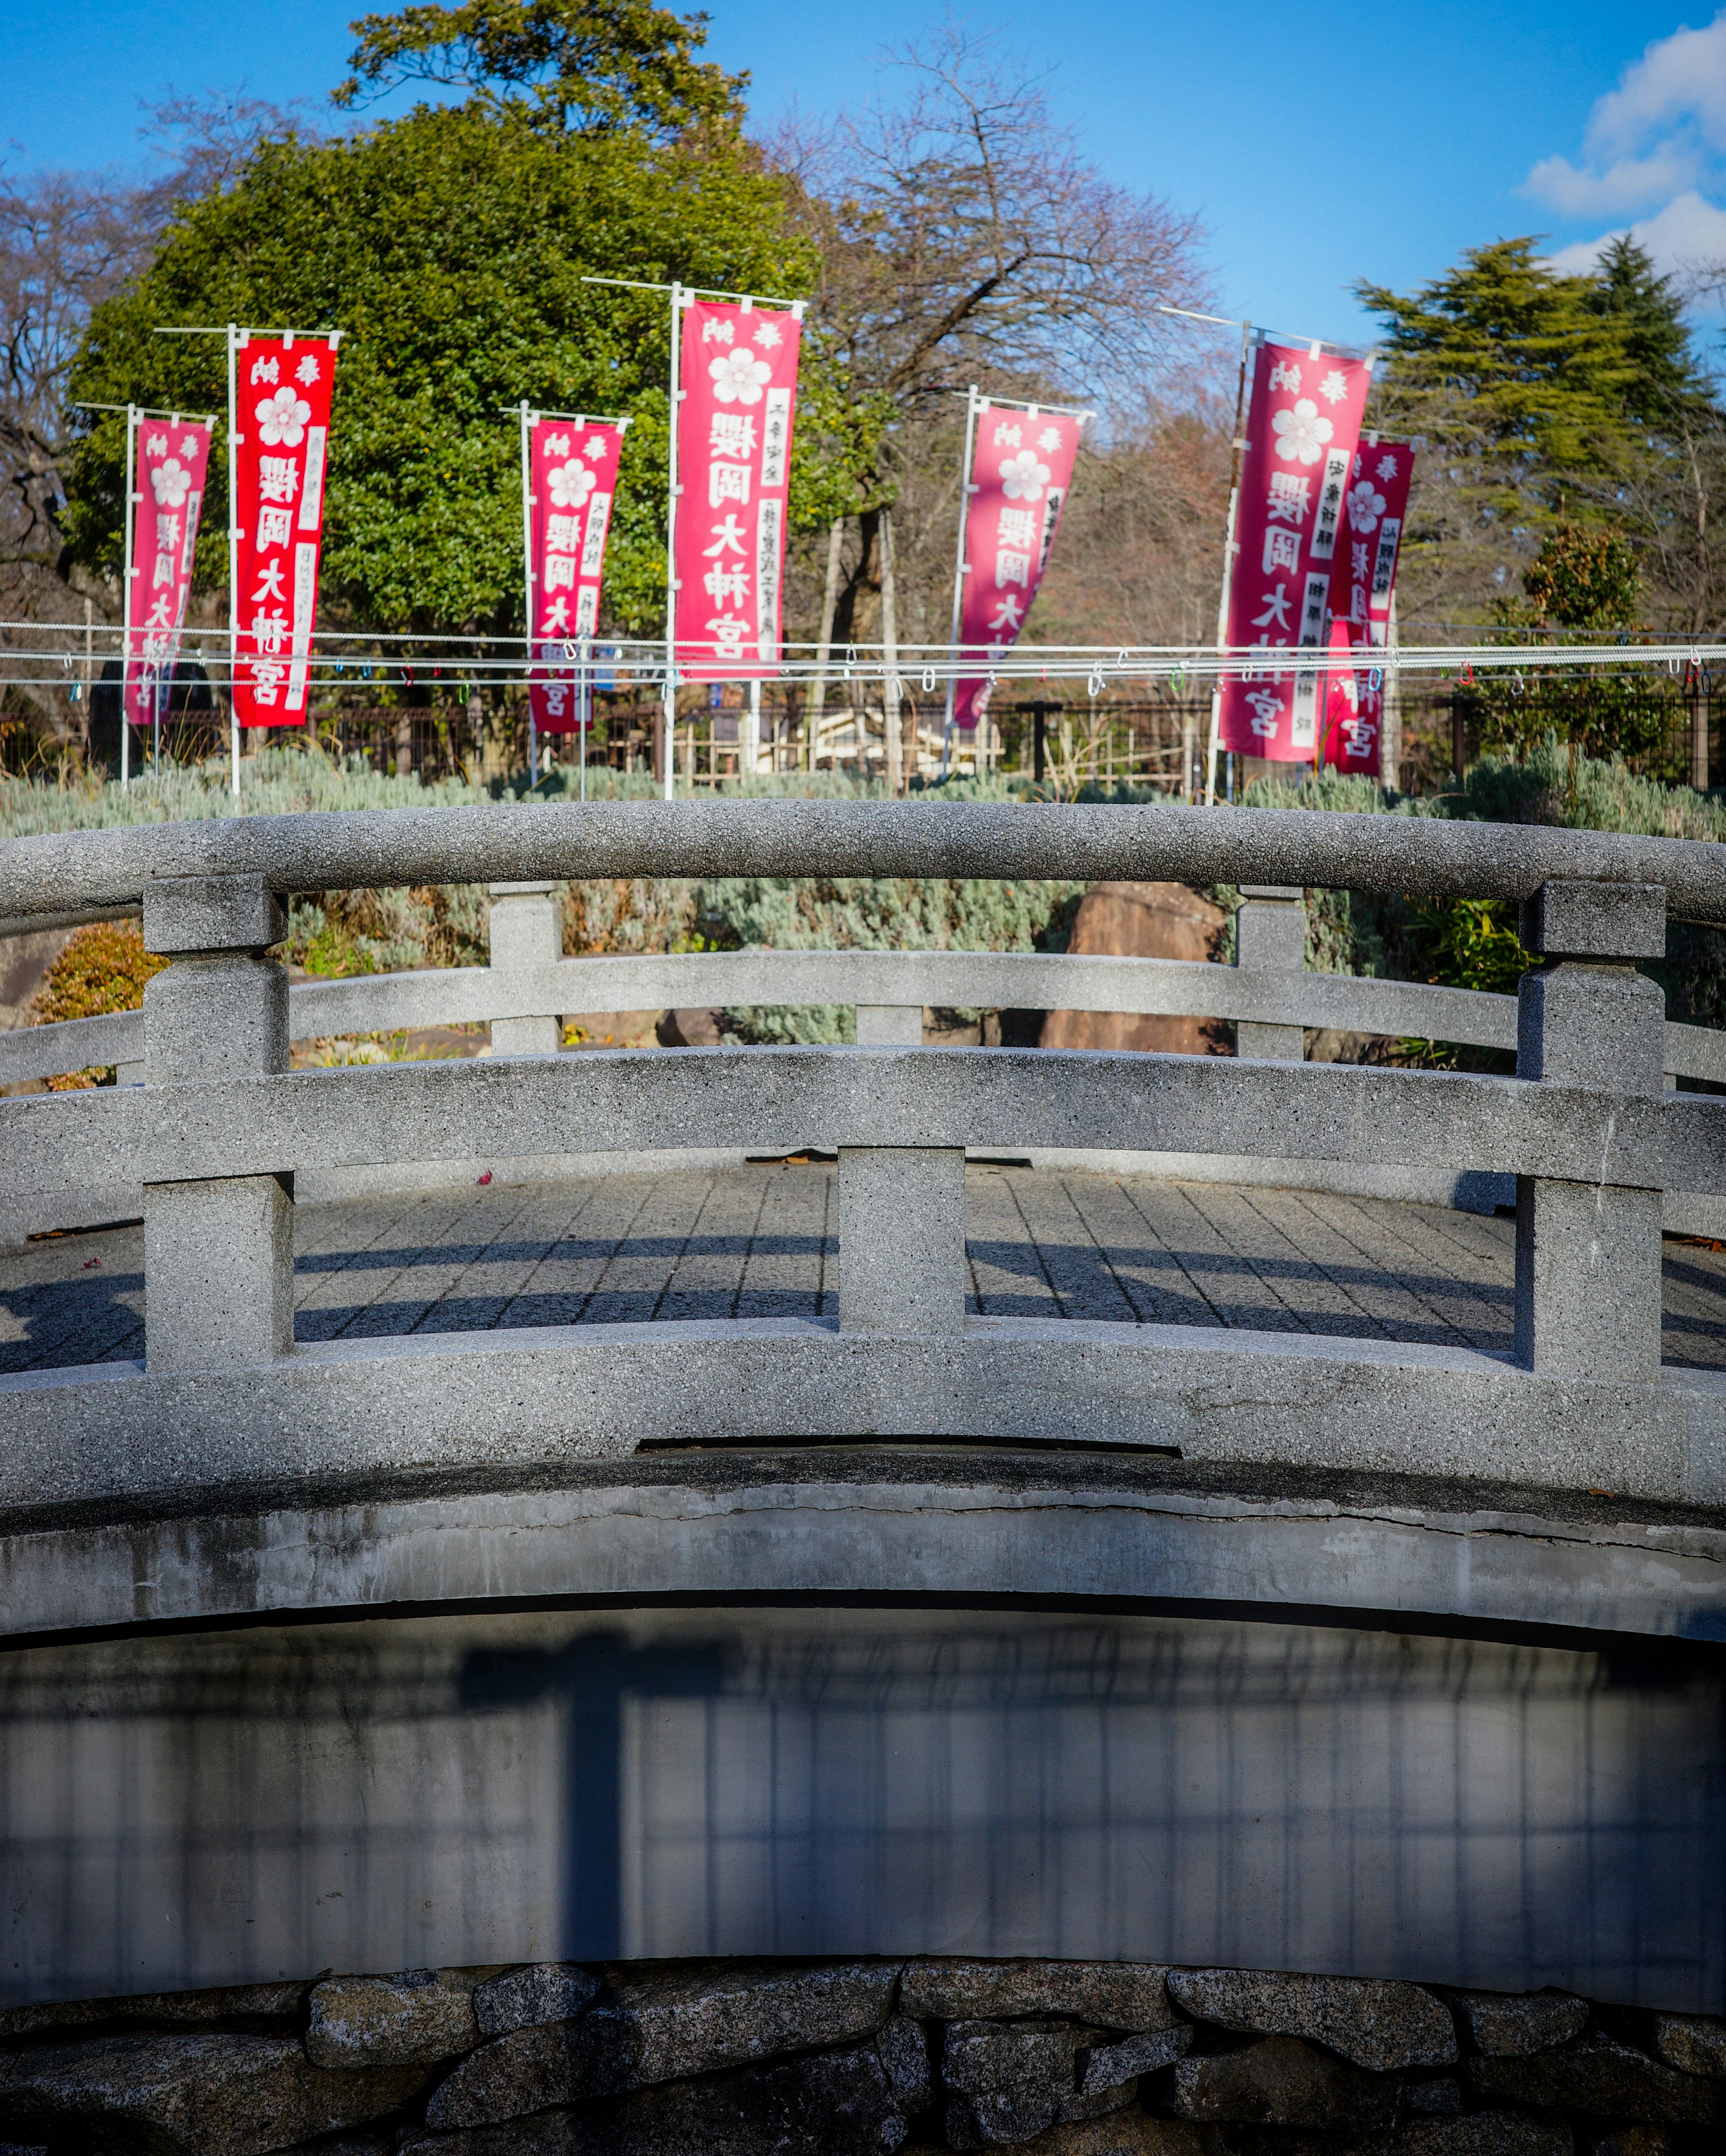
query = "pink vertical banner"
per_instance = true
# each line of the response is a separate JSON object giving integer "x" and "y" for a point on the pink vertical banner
{"x": 172, "y": 462}
{"x": 1302, "y": 428}
{"x": 1361, "y": 589}
{"x": 1021, "y": 472}
{"x": 572, "y": 486}
{"x": 282, "y": 426}
{"x": 739, "y": 401}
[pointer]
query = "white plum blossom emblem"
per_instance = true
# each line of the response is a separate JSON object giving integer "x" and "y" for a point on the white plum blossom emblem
{"x": 281, "y": 419}
{"x": 739, "y": 376}
{"x": 1024, "y": 476}
{"x": 1301, "y": 433}
{"x": 1333, "y": 389}
{"x": 171, "y": 482}
{"x": 570, "y": 484}
{"x": 1366, "y": 506}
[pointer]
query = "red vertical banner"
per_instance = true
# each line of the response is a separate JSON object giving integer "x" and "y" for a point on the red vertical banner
{"x": 1021, "y": 473}
{"x": 1302, "y": 427}
{"x": 1361, "y": 589}
{"x": 282, "y": 421}
{"x": 572, "y": 486}
{"x": 739, "y": 372}
{"x": 172, "y": 462}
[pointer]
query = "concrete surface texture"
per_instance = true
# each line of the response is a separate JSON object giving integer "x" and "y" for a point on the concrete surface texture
{"x": 215, "y": 1807}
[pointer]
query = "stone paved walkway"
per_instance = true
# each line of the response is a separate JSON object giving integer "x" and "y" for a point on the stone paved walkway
{"x": 759, "y": 1242}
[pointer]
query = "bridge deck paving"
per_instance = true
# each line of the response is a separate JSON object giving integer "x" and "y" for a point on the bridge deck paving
{"x": 761, "y": 1241}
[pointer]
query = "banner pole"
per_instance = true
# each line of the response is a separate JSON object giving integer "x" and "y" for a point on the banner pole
{"x": 126, "y": 601}
{"x": 1222, "y": 611}
{"x": 668, "y": 728}
{"x": 585, "y": 708}
{"x": 232, "y": 557}
{"x": 958, "y": 571}
{"x": 527, "y": 577}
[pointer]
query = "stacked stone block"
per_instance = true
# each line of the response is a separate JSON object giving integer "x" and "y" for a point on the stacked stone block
{"x": 863, "y": 2058}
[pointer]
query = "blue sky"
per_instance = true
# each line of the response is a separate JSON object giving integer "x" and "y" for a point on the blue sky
{"x": 1319, "y": 145}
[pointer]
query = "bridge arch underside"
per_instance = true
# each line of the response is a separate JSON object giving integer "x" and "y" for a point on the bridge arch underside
{"x": 907, "y": 1700}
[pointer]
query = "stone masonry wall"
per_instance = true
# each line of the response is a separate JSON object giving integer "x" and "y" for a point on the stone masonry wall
{"x": 861, "y": 2058}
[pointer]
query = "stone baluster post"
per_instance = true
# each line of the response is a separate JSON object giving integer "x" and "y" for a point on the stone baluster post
{"x": 890, "y": 1025}
{"x": 218, "y": 1254}
{"x": 901, "y": 1238}
{"x": 527, "y": 931}
{"x": 1271, "y": 937}
{"x": 1588, "y": 1254}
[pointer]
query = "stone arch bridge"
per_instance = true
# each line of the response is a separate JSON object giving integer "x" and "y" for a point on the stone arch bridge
{"x": 939, "y": 1538}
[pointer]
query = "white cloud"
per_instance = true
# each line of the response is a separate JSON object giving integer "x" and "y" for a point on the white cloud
{"x": 1663, "y": 129}
{"x": 1687, "y": 231}
{"x": 1631, "y": 183}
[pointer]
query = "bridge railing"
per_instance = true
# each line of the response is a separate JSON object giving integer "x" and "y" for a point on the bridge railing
{"x": 217, "y": 1132}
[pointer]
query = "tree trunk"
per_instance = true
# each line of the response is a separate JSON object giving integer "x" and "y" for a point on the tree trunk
{"x": 890, "y": 658}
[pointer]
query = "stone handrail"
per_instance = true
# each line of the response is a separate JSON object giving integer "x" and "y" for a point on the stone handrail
{"x": 904, "y": 981}
{"x": 60, "y": 876}
{"x": 218, "y": 1133}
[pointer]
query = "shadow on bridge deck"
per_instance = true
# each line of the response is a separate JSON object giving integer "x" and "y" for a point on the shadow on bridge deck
{"x": 761, "y": 1241}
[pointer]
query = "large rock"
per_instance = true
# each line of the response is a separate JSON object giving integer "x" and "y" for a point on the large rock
{"x": 1485, "y": 2133}
{"x": 1634, "y": 2140}
{"x": 1378, "y": 2025}
{"x": 239, "y": 2095}
{"x": 1129, "y": 2133}
{"x": 835, "y": 2103}
{"x": 1007, "y": 2080}
{"x": 409, "y": 2020}
{"x": 523, "y": 1998}
{"x": 1598, "y": 2075}
{"x": 1112, "y": 1995}
{"x": 1139, "y": 921}
{"x": 258, "y": 2004}
{"x": 1696, "y": 2043}
{"x": 1282, "y": 2082}
{"x": 1107, "y": 2065}
{"x": 903, "y": 2048}
{"x": 1510, "y": 2025}
{"x": 662, "y": 2030}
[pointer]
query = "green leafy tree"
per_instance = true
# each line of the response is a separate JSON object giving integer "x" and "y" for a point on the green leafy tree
{"x": 450, "y": 247}
{"x": 1539, "y": 396}
{"x": 619, "y": 64}
{"x": 1583, "y": 586}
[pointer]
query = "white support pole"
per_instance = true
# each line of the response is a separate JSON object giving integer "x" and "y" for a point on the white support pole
{"x": 971, "y": 408}
{"x": 668, "y": 727}
{"x": 236, "y": 339}
{"x": 528, "y": 418}
{"x": 125, "y": 598}
{"x": 1222, "y": 608}
{"x": 752, "y": 730}
{"x": 584, "y": 707}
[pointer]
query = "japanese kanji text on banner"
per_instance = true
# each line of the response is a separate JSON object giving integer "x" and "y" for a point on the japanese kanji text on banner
{"x": 571, "y": 484}
{"x": 173, "y": 461}
{"x": 1302, "y": 426}
{"x": 1021, "y": 471}
{"x": 1361, "y": 591}
{"x": 282, "y": 419}
{"x": 739, "y": 383}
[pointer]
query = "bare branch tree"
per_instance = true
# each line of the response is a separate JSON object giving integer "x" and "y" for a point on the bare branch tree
{"x": 965, "y": 238}
{"x": 68, "y": 240}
